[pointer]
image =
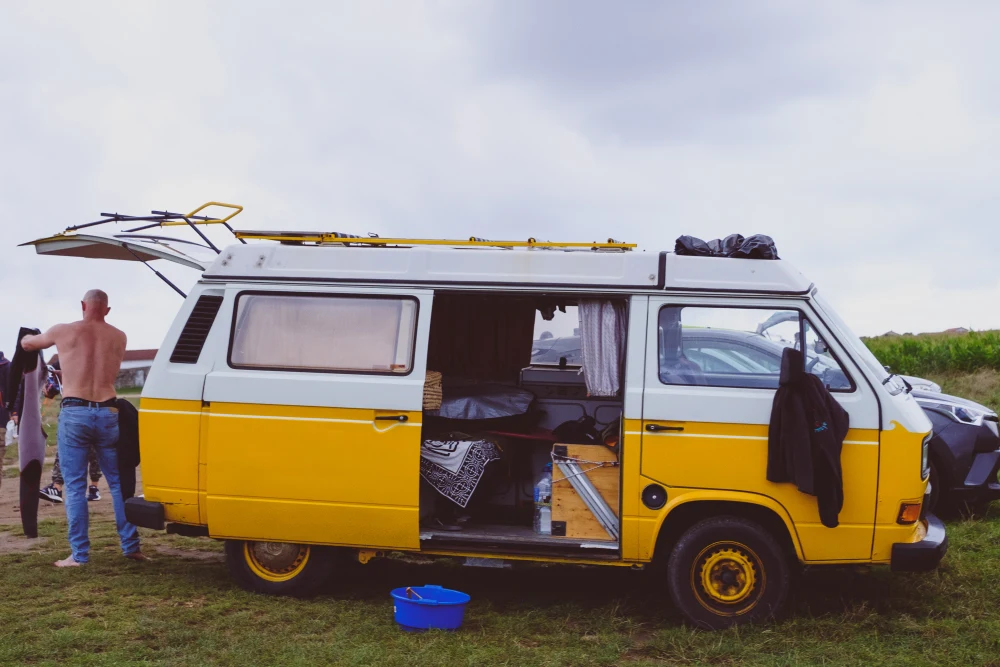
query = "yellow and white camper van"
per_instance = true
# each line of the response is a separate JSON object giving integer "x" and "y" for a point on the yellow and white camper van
{"x": 320, "y": 395}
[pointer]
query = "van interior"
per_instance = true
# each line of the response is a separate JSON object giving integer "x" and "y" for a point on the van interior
{"x": 518, "y": 384}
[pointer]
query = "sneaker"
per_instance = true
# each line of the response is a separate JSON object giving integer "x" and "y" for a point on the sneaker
{"x": 51, "y": 494}
{"x": 93, "y": 494}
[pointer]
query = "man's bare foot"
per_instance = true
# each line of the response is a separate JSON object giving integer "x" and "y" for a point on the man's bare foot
{"x": 67, "y": 562}
{"x": 138, "y": 556}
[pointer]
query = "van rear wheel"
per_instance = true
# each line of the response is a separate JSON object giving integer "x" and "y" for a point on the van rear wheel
{"x": 279, "y": 568}
{"x": 728, "y": 571}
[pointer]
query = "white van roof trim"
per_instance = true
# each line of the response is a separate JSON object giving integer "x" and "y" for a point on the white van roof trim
{"x": 429, "y": 265}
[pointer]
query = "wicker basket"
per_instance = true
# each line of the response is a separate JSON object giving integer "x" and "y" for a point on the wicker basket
{"x": 432, "y": 391}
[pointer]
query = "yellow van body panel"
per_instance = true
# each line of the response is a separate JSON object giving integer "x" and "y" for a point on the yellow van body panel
{"x": 336, "y": 476}
{"x": 631, "y": 488}
{"x": 169, "y": 438}
{"x": 652, "y": 520}
{"x": 899, "y": 482}
{"x": 313, "y": 475}
{"x": 721, "y": 458}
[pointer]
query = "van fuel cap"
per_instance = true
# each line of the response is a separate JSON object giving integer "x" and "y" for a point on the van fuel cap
{"x": 654, "y": 496}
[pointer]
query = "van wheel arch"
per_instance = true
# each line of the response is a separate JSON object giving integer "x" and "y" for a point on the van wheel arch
{"x": 683, "y": 517}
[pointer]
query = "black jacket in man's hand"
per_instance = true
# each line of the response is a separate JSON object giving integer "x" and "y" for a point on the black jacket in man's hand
{"x": 22, "y": 362}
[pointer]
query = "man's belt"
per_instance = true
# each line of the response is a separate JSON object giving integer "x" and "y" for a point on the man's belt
{"x": 72, "y": 402}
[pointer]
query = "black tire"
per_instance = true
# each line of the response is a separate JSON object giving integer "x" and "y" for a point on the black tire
{"x": 728, "y": 571}
{"x": 279, "y": 568}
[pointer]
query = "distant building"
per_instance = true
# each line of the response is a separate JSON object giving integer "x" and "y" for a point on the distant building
{"x": 135, "y": 367}
{"x": 887, "y": 334}
{"x": 957, "y": 330}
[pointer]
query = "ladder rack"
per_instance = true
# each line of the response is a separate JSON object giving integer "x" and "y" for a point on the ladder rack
{"x": 350, "y": 240}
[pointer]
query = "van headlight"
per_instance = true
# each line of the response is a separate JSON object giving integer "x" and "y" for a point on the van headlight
{"x": 925, "y": 459}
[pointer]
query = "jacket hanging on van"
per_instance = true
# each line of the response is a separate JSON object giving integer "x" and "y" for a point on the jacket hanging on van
{"x": 128, "y": 446}
{"x": 805, "y": 437}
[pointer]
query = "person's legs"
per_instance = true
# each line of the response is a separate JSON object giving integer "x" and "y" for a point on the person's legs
{"x": 95, "y": 467}
{"x": 75, "y": 436}
{"x": 95, "y": 476}
{"x": 107, "y": 456}
{"x": 57, "y": 478}
{"x": 53, "y": 492}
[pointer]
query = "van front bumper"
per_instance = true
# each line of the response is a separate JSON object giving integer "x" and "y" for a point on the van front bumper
{"x": 923, "y": 555}
{"x": 140, "y": 512}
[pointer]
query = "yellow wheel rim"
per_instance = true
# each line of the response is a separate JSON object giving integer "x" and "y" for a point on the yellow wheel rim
{"x": 727, "y": 578}
{"x": 276, "y": 561}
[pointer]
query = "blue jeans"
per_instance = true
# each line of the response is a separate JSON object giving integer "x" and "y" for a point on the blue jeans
{"x": 80, "y": 429}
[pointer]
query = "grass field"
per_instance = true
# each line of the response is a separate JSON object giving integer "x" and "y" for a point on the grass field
{"x": 183, "y": 609}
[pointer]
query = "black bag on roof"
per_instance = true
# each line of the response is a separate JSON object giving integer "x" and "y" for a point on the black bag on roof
{"x": 727, "y": 246}
{"x": 757, "y": 246}
{"x": 690, "y": 245}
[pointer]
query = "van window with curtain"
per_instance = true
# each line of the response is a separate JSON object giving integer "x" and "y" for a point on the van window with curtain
{"x": 557, "y": 337}
{"x": 324, "y": 333}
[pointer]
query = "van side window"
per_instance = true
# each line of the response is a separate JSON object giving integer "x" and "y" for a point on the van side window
{"x": 738, "y": 347}
{"x": 557, "y": 338}
{"x": 324, "y": 333}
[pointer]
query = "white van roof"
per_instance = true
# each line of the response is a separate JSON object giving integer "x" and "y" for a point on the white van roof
{"x": 437, "y": 265}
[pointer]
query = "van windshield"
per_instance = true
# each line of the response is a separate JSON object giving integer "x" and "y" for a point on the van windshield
{"x": 892, "y": 383}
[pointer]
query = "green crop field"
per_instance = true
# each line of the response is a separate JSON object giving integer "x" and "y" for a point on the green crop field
{"x": 935, "y": 354}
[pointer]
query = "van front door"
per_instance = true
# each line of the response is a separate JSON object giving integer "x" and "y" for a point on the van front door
{"x": 315, "y": 415}
{"x": 712, "y": 368}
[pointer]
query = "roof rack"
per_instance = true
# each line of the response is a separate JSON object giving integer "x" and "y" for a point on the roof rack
{"x": 169, "y": 219}
{"x": 374, "y": 241}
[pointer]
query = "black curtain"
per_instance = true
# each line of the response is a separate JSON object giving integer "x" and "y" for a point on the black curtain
{"x": 481, "y": 338}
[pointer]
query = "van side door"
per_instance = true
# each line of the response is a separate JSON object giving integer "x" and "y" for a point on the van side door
{"x": 712, "y": 369}
{"x": 315, "y": 417}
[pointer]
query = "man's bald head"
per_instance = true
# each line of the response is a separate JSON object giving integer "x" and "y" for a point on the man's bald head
{"x": 95, "y": 304}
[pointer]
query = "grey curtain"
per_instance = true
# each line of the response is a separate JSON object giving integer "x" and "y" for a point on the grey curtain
{"x": 602, "y": 343}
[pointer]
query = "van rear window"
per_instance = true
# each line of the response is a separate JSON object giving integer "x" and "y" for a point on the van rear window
{"x": 362, "y": 334}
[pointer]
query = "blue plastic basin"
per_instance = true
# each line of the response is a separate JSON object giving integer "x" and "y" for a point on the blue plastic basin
{"x": 426, "y": 607}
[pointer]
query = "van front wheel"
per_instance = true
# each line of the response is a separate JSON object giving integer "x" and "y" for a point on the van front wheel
{"x": 278, "y": 568}
{"x": 728, "y": 571}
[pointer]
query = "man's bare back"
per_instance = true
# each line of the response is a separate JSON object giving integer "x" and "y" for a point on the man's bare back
{"x": 90, "y": 351}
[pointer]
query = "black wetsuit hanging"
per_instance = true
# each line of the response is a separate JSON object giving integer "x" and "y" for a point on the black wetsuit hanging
{"x": 28, "y": 367}
{"x": 806, "y": 436}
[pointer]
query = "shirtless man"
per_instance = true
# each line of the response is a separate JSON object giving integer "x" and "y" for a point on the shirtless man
{"x": 91, "y": 353}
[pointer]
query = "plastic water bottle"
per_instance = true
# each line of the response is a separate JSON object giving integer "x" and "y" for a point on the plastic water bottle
{"x": 543, "y": 502}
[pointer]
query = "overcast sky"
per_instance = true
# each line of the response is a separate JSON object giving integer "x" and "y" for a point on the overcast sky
{"x": 864, "y": 137}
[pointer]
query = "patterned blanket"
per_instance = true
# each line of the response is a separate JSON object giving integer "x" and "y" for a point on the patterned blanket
{"x": 454, "y": 467}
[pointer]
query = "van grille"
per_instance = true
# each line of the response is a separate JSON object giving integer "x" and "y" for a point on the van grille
{"x": 192, "y": 338}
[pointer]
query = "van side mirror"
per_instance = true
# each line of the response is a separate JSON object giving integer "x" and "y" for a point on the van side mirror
{"x": 820, "y": 347}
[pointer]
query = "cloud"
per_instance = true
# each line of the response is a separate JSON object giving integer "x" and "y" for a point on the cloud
{"x": 864, "y": 138}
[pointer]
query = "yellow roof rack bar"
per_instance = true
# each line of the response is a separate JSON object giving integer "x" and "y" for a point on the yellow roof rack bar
{"x": 237, "y": 209}
{"x": 333, "y": 237}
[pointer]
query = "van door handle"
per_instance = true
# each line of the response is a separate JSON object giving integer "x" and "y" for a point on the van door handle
{"x": 392, "y": 418}
{"x": 654, "y": 428}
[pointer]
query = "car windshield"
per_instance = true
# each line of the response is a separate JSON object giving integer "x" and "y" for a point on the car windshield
{"x": 893, "y": 383}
